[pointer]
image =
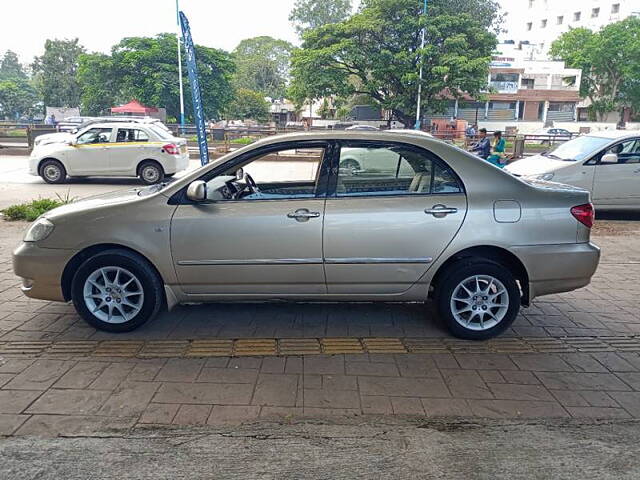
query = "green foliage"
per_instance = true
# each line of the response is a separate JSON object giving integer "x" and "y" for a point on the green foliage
{"x": 309, "y": 14}
{"x": 32, "y": 210}
{"x": 376, "y": 53}
{"x": 610, "y": 63}
{"x": 10, "y": 67}
{"x": 248, "y": 104}
{"x": 56, "y": 73}
{"x": 18, "y": 97}
{"x": 262, "y": 64}
{"x": 243, "y": 141}
{"x": 145, "y": 68}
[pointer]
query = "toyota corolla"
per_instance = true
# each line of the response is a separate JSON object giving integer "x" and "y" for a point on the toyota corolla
{"x": 284, "y": 219}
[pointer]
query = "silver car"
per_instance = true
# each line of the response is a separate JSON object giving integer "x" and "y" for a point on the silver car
{"x": 281, "y": 220}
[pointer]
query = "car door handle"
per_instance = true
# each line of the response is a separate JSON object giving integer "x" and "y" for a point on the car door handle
{"x": 440, "y": 211}
{"x": 302, "y": 215}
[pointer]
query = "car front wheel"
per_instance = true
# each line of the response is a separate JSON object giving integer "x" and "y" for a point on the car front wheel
{"x": 478, "y": 300}
{"x": 116, "y": 291}
{"x": 52, "y": 171}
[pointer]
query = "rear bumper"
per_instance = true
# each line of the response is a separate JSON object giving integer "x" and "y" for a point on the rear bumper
{"x": 41, "y": 270}
{"x": 181, "y": 163}
{"x": 558, "y": 268}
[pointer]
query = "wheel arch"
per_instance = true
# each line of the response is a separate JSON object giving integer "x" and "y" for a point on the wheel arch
{"x": 72, "y": 265}
{"x": 148, "y": 160}
{"x": 492, "y": 253}
{"x": 44, "y": 159}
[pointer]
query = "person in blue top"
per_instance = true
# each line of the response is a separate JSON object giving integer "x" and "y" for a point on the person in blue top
{"x": 482, "y": 148}
{"x": 499, "y": 147}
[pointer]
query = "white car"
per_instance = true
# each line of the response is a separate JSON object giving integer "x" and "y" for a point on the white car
{"x": 112, "y": 149}
{"x": 606, "y": 163}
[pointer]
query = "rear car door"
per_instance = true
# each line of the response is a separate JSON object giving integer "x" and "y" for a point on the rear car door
{"x": 131, "y": 146}
{"x": 385, "y": 225}
{"x": 90, "y": 154}
{"x": 618, "y": 184}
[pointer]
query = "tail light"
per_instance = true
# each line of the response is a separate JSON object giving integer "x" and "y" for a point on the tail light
{"x": 171, "y": 149}
{"x": 584, "y": 214}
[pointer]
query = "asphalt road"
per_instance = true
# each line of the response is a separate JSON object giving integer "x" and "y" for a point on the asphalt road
{"x": 380, "y": 449}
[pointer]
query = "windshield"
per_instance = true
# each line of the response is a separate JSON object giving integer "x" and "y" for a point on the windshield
{"x": 161, "y": 132}
{"x": 578, "y": 149}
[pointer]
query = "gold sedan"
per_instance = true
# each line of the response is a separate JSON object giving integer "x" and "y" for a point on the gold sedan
{"x": 288, "y": 218}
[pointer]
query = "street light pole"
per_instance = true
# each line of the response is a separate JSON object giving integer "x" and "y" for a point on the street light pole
{"x": 180, "y": 67}
{"x": 424, "y": 30}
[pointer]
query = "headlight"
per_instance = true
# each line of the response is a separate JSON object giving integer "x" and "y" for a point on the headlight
{"x": 39, "y": 230}
{"x": 546, "y": 176}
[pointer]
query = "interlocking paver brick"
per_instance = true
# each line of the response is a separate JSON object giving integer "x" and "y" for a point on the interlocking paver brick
{"x": 55, "y": 425}
{"x": 192, "y": 415}
{"x": 81, "y": 375}
{"x": 228, "y": 375}
{"x": 450, "y": 407}
{"x": 570, "y": 398}
{"x": 276, "y": 390}
{"x": 466, "y": 384}
{"x": 331, "y": 399}
{"x": 16, "y": 401}
{"x": 69, "y": 402}
{"x": 338, "y": 382}
{"x": 232, "y": 414}
{"x": 516, "y": 408}
{"x": 180, "y": 370}
{"x": 205, "y": 393}
{"x": 377, "y": 369}
{"x": 14, "y": 365}
{"x": 492, "y": 376}
{"x": 40, "y": 375}
{"x": 631, "y": 378}
{"x": 583, "y": 362}
{"x": 630, "y": 401}
{"x": 146, "y": 370}
{"x": 510, "y": 391}
{"x": 112, "y": 376}
{"x": 273, "y": 365}
{"x": 613, "y": 362}
{"x": 403, "y": 387}
{"x": 541, "y": 362}
{"x": 485, "y": 361}
{"x": 324, "y": 364}
{"x": 597, "y": 412}
{"x": 581, "y": 381}
{"x": 159, "y": 413}
{"x": 129, "y": 399}
{"x": 379, "y": 405}
{"x": 407, "y": 406}
{"x": 520, "y": 377}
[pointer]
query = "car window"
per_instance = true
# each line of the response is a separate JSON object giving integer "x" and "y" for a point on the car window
{"x": 131, "y": 135}
{"x": 579, "y": 149}
{"x": 161, "y": 132}
{"x": 283, "y": 174}
{"x": 391, "y": 170}
{"x": 94, "y": 135}
{"x": 628, "y": 151}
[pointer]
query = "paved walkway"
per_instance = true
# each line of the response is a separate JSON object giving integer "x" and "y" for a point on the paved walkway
{"x": 571, "y": 355}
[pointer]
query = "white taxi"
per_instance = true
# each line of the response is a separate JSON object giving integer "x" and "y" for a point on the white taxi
{"x": 112, "y": 150}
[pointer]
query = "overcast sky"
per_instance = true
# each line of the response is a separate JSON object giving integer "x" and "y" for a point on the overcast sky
{"x": 26, "y": 24}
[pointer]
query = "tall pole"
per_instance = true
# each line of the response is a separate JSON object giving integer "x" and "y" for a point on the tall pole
{"x": 180, "y": 67}
{"x": 424, "y": 30}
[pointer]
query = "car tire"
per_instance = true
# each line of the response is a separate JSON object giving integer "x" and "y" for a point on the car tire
{"x": 117, "y": 291}
{"x": 351, "y": 166}
{"x": 150, "y": 172}
{"x": 477, "y": 300}
{"x": 52, "y": 171}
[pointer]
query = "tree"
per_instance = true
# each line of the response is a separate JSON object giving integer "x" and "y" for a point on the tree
{"x": 377, "y": 53}
{"x": 10, "y": 67}
{"x": 56, "y": 73}
{"x": 18, "y": 98}
{"x": 262, "y": 64}
{"x": 146, "y": 69}
{"x": 610, "y": 63}
{"x": 248, "y": 104}
{"x": 309, "y": 14}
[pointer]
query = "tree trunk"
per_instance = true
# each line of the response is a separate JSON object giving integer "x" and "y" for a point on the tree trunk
{"x": 408, "y": 120}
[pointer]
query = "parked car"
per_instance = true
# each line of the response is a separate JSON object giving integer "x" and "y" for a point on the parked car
{"x": 71, "y": 124}
{"x": 109, "y": 149}
{"x": 281, "y": 220}
{"x": 606, "y": 163}
{"x": 362, "y": 127}
{"x": 552, "y": 135}
{"x": 65, "y": 133}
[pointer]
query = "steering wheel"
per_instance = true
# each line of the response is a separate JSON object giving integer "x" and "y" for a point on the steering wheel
{"x": 251, "y": 184}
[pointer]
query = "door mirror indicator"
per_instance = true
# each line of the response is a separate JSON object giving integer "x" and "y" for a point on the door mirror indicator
{"x": 197, "y": 191}
{"x": 609, "y": 158}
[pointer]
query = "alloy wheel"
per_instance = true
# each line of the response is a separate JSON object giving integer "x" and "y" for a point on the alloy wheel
{"x": 113, "y": 294}
{"x": 479, "y": 302}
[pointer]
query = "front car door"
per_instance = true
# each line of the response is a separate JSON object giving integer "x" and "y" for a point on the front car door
{"x": 90, "y": 153}
{"x": 266, "y": 244}
{"x": 385, "y": 226}
{"x": 618, "y": 184}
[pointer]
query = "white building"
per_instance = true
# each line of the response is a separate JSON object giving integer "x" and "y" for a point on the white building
{"x": 540, "y": 22}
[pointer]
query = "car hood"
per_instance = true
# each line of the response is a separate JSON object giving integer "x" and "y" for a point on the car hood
{"x": 536, "y": 165}
{"x": 49, "y": 138}
{"x": 103, "y": 200}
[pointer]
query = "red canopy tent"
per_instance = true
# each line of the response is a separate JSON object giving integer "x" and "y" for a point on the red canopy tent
{"x": 134, "y": 107}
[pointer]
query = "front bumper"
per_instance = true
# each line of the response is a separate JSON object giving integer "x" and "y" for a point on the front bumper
{"x": 41, "y": 270}
{"x": 558, "y": 268}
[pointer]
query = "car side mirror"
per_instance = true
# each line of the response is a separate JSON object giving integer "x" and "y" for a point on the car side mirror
{"x": 609, "y": 158}
{"x": 197, "y": 191}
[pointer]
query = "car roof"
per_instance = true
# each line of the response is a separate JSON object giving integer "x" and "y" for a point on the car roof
{"x": 116, "y": 124}
{"x": 615, "y": 134}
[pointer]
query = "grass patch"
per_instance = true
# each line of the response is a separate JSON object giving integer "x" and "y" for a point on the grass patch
{"x": 243, "y": 141}
{"x": 32, "y": 210}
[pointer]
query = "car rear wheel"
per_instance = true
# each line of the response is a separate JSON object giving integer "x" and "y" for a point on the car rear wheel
{"x": 150, "y": 172}
{"x": 478, "y": 299}
{"x": 116, "y": 291}
{"x": 52, "y": 171}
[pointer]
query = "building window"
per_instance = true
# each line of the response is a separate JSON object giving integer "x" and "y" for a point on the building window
{"x": 528, "y": 83}
{"x": 577, "y": 16}
{"x": 543, "y": 23}
{"x": 595, "y": 13}
{"x": 560, "y": 20}
{"x": 615, "y": 8}
{"x": 529, "y": 26}
{"x": 561, "y": 106}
